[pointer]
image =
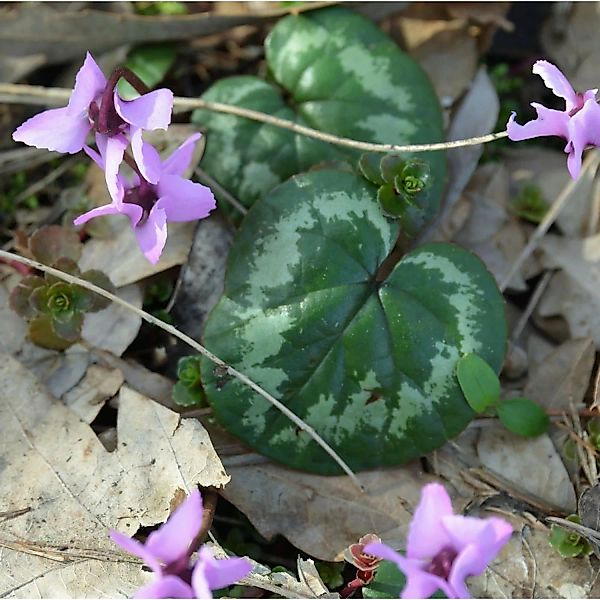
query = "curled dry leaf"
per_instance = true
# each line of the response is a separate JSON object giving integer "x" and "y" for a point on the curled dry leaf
{"x": 476, "y": 115}
{"x": 72, "y": 490}
{"x": 97, "y": 386}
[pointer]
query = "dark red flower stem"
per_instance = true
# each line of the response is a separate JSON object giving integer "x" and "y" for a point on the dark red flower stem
{"x": 107, "y": 105}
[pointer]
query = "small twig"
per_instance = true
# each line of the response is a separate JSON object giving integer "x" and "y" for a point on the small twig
{"x": 591, "y": 162}
{"x": 533, "y": 301}
{"x": 196, "y": 346}
{"x": 38, "y": 95}
{"x": 40, "y": 184}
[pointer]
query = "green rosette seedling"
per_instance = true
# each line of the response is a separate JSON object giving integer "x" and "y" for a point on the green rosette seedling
{"x": 404, "y": 187}
{"x": 188, "y": 389}
{"x": 568, "y": 543}
{"x": 53, "y": 308}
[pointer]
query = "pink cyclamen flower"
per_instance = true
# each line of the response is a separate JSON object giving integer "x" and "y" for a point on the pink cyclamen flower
{"x": 150, "y": 205}
{"x": 167, "y": 552}
{"x": 443, "y": 548}
{"x": 95, "y": 106}
{"x": 578, "y": 124}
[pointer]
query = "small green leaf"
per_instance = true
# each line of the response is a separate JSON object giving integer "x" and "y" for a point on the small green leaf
{"x": 478, "y": 381}
{"x": 369, "y": 166}
{"x": 150, "y": 63}
{"x": 568, "y": 543}
{"x": 68, "y": 328}
{"x": 523, "y": 417}
{"x": 187, "y": 396}
{"x": 389, "y": 581}
{"x": 391, "y": 165}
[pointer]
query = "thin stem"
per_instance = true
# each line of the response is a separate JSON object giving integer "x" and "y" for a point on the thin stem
{"x": 196, "y": 346}
{"x": 38, "y": 95}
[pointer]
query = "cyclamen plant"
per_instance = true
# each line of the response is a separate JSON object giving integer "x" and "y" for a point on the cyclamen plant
{"x": 167, "y": 552}
{"x": 442, "y": 548}
{"x": 158, "y": 192}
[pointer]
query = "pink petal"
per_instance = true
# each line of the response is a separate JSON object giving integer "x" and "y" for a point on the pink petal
{"x": 112, "y": 150}
{"x": 146, "y": 157}
{"x": 95, "y": 156}
{"x": 420, "y": 584}
{"x": 199, "y": 581}
{"x": 557, "y": 82}
{"x": 89, "y": 84}
{"x": 151, "y": 234}
{"x": 136, "y": 548}
{"x": 169, "y": 586}
{"x": 467, "y": 563}
{"x": 181, "y": 158}
{"x": 584, "y": 129}
{"x": 382, "y": 551}
{"x": 172, "y": 540}
{"x": 548, "y": 122}
{"x": 184, "y": 200}
{"x": 426, "y": 536}
{"x": 221, "y": 573}
{"x": 150, "y": 111}
{"x": 133, "y": 211}
{"x": 55, "y": 129}
{"x": 489, "y": 535}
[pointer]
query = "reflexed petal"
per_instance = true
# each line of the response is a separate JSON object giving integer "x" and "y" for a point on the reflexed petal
{"x": 166, "y": 587}
{"x": 584, "y": 129}
{"x": 199, "y": 581}
{"x": 101, "y": 211}
{"x": 489, "y": 535}
{"x": 146, "y": 157}
{"x": 114, "y": 150}
{"x": 151, "y": 234}
{"x": 55, "y": 129}
{"x": 467, "y": 563}
{"x": 426, "y": 536}
{"x": 221, "y": 573}
{"x": 173, "y": 539}
{"x": 95, "y": 156}
{"x": 548, "y": 122}
{"x": 89, "y": 84}
{"x": 136, "y": 548}
{"x": 557, "y": 82}
{"x": 133, "y": 211}
{"x": 181, "y": 158}
{"x": 184, "y": 200}
{"x": 150, "y": 111}
{"x": 420, "y": 584}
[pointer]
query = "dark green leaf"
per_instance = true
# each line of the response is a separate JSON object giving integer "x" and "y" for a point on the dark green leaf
{"x": 150, "y": 63}
{"x": 342, "y": 75}
{"x": 389, "y": 581}
{"x": 478, "y": 381}
{"x": 369, "y": 166}
{"x": 96, "y": 301}
{"x": 371, "y": 366}
{"x": 523, "y": 417}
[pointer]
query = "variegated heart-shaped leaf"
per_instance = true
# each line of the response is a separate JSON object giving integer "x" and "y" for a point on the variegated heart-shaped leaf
{"x": 369, "y": 362}
{"x": 332, "y": 70}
